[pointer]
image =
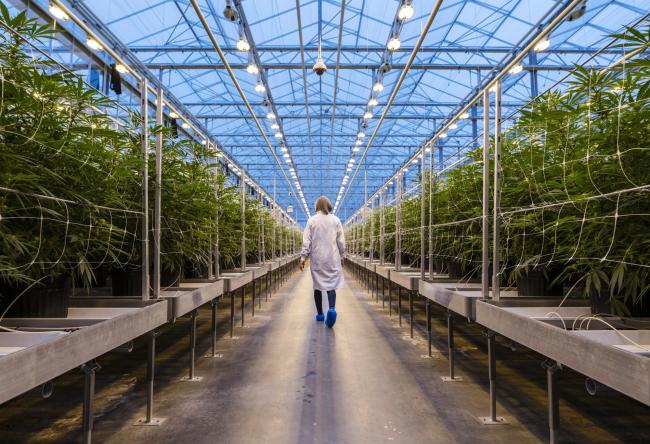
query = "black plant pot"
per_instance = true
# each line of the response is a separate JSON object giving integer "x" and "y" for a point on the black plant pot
{"x": 48, "y": 299}
{"x": 126, "y": 282}
{"x": 599, "y": 301}
{"x": 455, "y": 269}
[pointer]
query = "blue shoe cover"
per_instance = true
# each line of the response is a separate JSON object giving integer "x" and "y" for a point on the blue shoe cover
{"x": 320, "y": 317}
{"x": 331, "y": 318}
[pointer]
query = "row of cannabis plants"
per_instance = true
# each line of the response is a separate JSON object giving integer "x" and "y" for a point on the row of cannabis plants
{"x": 575, "y": 183}
{"x": 70, "y": 185}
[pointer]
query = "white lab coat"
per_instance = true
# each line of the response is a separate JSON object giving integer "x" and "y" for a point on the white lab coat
{"x": 324, "y": 242}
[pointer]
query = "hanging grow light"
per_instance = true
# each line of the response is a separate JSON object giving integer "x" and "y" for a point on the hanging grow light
{"x": 278, "y": 135}
{"x": 465, "y": 115}
{"x": 453, "y": 126}
{"x": 378, "y": 86}
{"x": 122, "y": 69}
{"x": 242, "y": 44}
{"x": 260, "y": 88}
{"x": 275, "y": 126}
{"x": 373, "y": 102}
{"x": 367, "y": 115}
{"x": 516, "y": 69}
{"x": 173, "y": 115}
{"x": 358, "y": 142}
{"x": 406, "y": 10}
{"x": 542, "y": 45}
{"x": 252, "y": 68}
{"x": 361, "y": 135}
{"x": 185, "y": 125}
{"x": 57, "y": 12}
{"x": 443, "y": 135}
{"x": 270, "y": 115}
{"x": 94, "y": 44}
{"x": 394, "y": 43}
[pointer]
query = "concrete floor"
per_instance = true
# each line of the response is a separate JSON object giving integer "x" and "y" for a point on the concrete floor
{"x": 287, "y": 379}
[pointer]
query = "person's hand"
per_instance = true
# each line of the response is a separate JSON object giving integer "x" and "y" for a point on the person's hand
{"x": 302, "y": 265}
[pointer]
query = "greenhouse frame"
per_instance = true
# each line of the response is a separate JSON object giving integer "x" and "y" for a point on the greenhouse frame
{"x": 471, "y": 178}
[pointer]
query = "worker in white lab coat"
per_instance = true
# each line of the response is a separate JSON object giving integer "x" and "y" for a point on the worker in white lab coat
{"x": 324, "y": 242}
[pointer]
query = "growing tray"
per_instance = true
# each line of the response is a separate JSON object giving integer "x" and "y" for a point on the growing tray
{"x": 594, "y": 353}
{"x": 234, "y": 280}
{"x": 191, "y": 295}
{"x": 41, "y": 357}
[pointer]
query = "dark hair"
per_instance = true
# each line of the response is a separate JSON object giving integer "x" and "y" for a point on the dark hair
{"x": 323, "y": 205}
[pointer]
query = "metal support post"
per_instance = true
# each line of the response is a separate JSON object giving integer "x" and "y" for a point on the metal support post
{"x": 382, "y": 225}
{"x": 485, "y": 252}
{"x": 431, "y": 164}
{"x": 411, "y": 311}
{"x": 242, "y": 179}
{"x": 496, "y": 207}
{"x": 214, "y": 304}
{"x": 253, "y": 295}
{"x": 89, "y": 369}
{"x": 149, "y": 420}
{"x": 157, "y": 197}
{"x": 144, "y": 131}
{"x": 399, "y": 304}
{"x": 232, "y": 313}
{"x": 390, "y": 298}
{"x": 422, "y": 214}
{"x": 398, "y": 224}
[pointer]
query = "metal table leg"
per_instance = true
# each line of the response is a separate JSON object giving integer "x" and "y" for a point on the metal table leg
{"x": 191, "y": 376}
{"x": 243, "y": 297}
{"x": 493, "y": 419}
{"x": 149, "y": 420}
{"x": 214, "y": 303}
{"x": 232, "y": 313}
{"x": 428, "y": 309}
{"x": 451, "y": 350}
{"x": 259, "y": 299}
{"x": 411, "y": 311}
{"x": 89, "y": 369}
{"x": 399, "y": 304}
{"x": 552, "y": 368}
{"x": 390, "y": 298}
{"x": 383, "y": 293}
{"x": 253, "y": 304}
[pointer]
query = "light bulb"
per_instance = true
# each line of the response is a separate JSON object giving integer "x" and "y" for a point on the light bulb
{"x": 242, "y": 44}
{"x": 406, "y": 170}
{"x": 373, "y": 102}
{"x": 542, "y": 45}
{"x": 453, "y": 126}
{"x": 185, "y": 125}
{"x": 378, "y": 86}
{"x": 405, "y": 11}
{"x": 278, "y": 135}
{"x": 252, "y": 69}
{"x": 275, "y": 126}
{"x": 367, "y": 115}
{"x": 94, "y": 44}
{"x": 260, "y": 88}
{"x": 358, "y": 142}
{"x": 361, "y": 135}
{"x": 270, "y": 115}
{"x": 465, "y": 115}
{"x": 173, "y": 115}
{"x": 516, "y": 69}
{"x": 394, "y": 43}
{"x": 121, "y": 68}
{"x": 443, "y": 135}
{"x": 283, "y": 149}
{"x": 204, "y": 142}
{"x": 57, "y": 12}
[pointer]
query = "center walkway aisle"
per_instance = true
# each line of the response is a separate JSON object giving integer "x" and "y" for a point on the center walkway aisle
{"x": 289, "y": 379}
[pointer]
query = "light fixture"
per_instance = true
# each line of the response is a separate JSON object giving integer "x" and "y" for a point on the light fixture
{"x": 185, "y": 125}
{"x": 352, "y": 161}
{"x": 361, "y": 135}
{"x": 292, "y": 169}
{"x": 278, "y": 135}
{"x": 516, "y": 69}
{"x": 57, "y": 12}
{"x": 443, "y": 135}
{"x": 260, "y": 88}
{"x": 288, "y": 160}
{"x": 378, "y": 86}
{"x": 252, "y": 68}
{"x": 406, "y": 10}
{"x": 230, "y": 13}
{"x": 493, "y": 88}
{"x": 242, "y": 44}
{"x": 453, "y": 126}
{"x": 121, "y": 68}
{"x": 283, "y": 149}
{"x": 355, "y": 149}
{"x": 465, "y": 115}
{"x": 358, "y": 142}
{"x": 204, "y": 142}
{"x": 94, "y": 44}
{"x": 367, "y": 115}
{"x": 542, "y": 45}
{"x": 373, "y": 102}
{"x": 270, "y": 115}
{"x": 394, "y": 43}
{"x": 275, "y": 126}
{"x": 173, "y": 115}
{"x": 406, "y": 170}
{"x": 319, "y": 67}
